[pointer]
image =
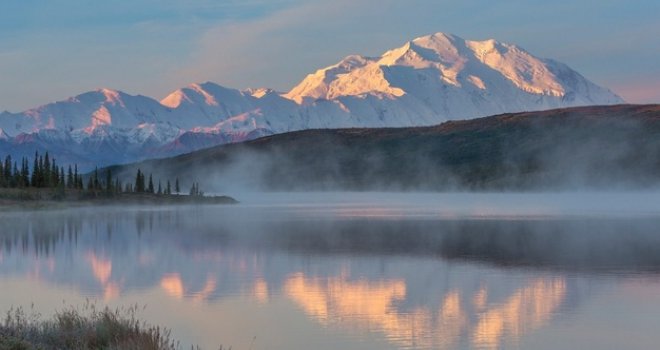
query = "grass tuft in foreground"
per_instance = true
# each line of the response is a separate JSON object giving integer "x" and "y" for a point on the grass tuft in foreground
{"x": 81, "y": 329}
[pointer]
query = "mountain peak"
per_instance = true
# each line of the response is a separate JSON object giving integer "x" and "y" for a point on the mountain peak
{"x": 316, "y": 85}
{"x": 259, "y": 92}
{"x": 100, "y": 95}
{"x": 190, "y": 94}
{"x": 440, "y": 61}
{"x": 105, "y": 90}
{"x": 111, "y": 95}
{"x": 437, "y": 37}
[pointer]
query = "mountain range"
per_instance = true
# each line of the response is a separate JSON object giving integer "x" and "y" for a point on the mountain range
{"x": 425, "y": 82}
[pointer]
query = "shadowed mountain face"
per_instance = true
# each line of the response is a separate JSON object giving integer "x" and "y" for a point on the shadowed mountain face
{"x": 608, "y": 147}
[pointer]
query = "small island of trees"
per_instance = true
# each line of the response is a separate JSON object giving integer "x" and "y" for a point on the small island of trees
{"x": 46, "y": 180}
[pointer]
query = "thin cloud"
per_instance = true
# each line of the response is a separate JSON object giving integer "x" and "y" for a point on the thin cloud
{"x": 277, "y": 50}
{"x": 640, "y": 90}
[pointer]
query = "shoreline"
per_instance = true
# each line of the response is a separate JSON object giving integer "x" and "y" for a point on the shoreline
{"x": 22, "y": 199}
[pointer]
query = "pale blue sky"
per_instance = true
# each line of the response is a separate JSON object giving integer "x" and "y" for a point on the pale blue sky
{"x": 53, "y": 49}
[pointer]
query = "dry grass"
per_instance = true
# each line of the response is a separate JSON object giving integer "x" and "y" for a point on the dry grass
{"x": 79, "y": 329}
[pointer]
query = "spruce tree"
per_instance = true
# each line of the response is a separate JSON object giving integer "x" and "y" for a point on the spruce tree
{"x": 25, "y": 173}
{"x": 60, "y": 184}
{"x": 15, "y": 176}
{"x": 75, "y": 177}
{"x": 35, "y": 170}
{"x": 108, "y": 181}
{"x": 194, "y": 190}
{"x": 151, "y": 184}
{"x": 46, "y": 171}
{"x": 177, "y": 188}
{"x": 90, "y": 184}
{"x": 19, "y": 174}
{"x": 54, "y": 174}
{"x": 62, "y": 181}
{"x": 69, "y": 178}
{"x": 8, "y": 168}
{"x": 40, "y": 173}
{"x": 139, "y": 182}
{"x": 3, "y": 182}
{"x": 97, "y": 184}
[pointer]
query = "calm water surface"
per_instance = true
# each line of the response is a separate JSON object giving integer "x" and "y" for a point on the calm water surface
{"x": 356, "y": 270}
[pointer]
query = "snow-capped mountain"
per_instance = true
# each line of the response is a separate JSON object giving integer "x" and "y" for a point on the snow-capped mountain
{"x": 426, "y": 81}
{"x": 445, "y": 77}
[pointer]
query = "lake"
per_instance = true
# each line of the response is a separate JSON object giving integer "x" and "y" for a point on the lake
{"x": 356, "y": 270}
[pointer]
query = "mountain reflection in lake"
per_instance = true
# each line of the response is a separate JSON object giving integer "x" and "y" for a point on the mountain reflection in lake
{"x": 308, "y": 277}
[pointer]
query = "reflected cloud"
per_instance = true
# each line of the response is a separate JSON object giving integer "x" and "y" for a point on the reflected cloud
{"x": 102, "y": 271}
{"x": 101, "y": 268}
{"x": 452, "y": 320}
{"x": 207, "y": 291}
{"x": 480, "y": 299}
{"x": 111, "y": 291}
{"x": 372, "y": 306}
{"x": 527, "y": 309}
{"x": 260, "y": 291}
{"x": 327, "y": 299}
{"x": 172, "y": 285}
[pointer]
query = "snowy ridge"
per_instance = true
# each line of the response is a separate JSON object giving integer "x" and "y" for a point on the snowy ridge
{"x": 426, "y": 81}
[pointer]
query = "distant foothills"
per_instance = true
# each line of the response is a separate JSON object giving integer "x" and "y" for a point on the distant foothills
{"x": 600, "y": 147}
{"x": 424, "y": 82}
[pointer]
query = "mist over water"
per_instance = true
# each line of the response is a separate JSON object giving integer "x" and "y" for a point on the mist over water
{"x": 464, "y": 204}
{"x": 356, "y": 270}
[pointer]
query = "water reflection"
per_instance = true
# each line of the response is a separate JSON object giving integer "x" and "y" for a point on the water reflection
{"x": 419, "y": 284}
{"x": 528, "y": 308}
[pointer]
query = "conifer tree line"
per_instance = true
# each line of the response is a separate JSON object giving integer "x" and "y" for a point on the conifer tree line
{"x": 45, "y": 173}
{"x": 147, "y": 185}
